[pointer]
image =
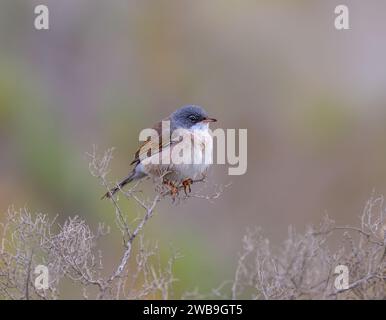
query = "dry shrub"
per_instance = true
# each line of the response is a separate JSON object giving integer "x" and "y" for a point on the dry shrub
{"x": 71, "y": 253}
{"x": 304, "y": 266}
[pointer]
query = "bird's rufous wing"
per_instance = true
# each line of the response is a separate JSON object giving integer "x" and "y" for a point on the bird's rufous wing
{"x": 153, "y": 145}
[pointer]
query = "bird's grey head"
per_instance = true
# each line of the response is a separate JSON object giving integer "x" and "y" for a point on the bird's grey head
{"x": 188, "y": 116}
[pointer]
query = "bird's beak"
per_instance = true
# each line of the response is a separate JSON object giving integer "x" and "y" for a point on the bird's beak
{"x": 209, "y": 120}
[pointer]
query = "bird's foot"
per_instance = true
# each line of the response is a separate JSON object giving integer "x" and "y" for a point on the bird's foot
{"x": 173, "y": 188}
{"x": 186, "y": 184}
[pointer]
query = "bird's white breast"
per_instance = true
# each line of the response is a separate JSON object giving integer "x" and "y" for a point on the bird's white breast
{"x": 199, "y": 143}
{"x": 202, "y": 148}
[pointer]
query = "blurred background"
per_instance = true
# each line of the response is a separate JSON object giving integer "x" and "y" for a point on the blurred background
{"x": 312, "y": 98}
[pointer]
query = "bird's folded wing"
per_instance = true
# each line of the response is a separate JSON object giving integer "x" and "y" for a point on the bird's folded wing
{"x": 154, "y": 144}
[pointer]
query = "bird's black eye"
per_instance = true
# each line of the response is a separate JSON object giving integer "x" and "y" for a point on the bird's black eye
{"x": 193, "y": 118}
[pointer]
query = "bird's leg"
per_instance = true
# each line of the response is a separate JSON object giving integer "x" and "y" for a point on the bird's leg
{"x": 187, "y": 183}
{"x": 173, "y": 188}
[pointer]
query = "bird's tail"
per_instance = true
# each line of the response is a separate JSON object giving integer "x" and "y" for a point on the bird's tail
{"x": 119, "y": 186}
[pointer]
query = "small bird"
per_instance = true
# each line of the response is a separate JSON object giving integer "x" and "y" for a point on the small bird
{"x": 194, "y": 121}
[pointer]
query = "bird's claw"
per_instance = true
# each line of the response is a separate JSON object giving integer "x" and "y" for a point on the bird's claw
{"x": 173, "y": 189}
{"x": 186, "y": 184}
